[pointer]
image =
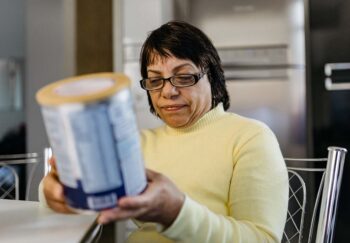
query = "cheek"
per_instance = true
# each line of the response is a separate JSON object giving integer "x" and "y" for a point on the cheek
{"x": 208, "y": 88}
{"x": 205, "y": 93}
{"x": 153, "y": 98}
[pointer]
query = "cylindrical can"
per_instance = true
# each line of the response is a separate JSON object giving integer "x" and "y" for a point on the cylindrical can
{"x": 92, "y": 130}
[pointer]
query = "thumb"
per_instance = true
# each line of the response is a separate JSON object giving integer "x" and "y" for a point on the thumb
{"x": 151, "y": 174}
{"x": 52, "y": 163}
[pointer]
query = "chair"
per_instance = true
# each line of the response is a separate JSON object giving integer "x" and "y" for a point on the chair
{"x": 9, "y": 182}
{"x": 9, "y": 172}
{"x": 314, "y": 186}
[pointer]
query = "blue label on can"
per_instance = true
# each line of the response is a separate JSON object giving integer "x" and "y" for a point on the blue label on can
{"x": 79, "y": 199}
{"x": 98, "y": 151}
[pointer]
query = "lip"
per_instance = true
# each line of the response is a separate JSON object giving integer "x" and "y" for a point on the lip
{"x": 172, "y": 107}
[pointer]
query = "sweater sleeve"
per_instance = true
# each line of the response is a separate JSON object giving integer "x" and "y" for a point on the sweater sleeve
{"x": 257, "y": 200}
{"x": 41, "y": 196}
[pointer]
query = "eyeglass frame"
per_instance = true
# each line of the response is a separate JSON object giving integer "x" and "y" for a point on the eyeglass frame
{"x": 197, "y": 77}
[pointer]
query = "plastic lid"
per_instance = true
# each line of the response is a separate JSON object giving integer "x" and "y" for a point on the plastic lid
{"x": 82, "y": 89}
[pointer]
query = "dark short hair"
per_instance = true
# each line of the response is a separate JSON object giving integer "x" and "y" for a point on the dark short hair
{"x": 184, "y": 41}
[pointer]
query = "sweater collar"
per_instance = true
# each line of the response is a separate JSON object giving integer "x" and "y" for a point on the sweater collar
{"x": 204, "y": 121}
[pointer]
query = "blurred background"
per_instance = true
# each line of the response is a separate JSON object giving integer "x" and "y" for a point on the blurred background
{"x": 286, "y": 63}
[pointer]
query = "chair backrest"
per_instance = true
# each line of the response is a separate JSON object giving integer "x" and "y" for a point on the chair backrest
{"x": 314, "y": 186}
{"x": 9, "y": 182}
{"x": 10, "y": 166}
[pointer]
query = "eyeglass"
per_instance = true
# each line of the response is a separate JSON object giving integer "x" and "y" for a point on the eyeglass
{"x": 181, "y": 80}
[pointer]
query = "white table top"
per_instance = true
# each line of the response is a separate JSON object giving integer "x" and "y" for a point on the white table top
{"x": 25, "y": 221}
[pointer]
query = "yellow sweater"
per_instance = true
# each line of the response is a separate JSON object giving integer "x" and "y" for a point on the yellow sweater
{"x": 234, "y": 177}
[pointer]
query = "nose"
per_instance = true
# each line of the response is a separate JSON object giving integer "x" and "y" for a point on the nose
{"x": 169, "y": 91}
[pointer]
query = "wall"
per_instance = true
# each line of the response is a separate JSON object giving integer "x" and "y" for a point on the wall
{"x": 50, "y": 55}
{"x": 11, "y": 46}
{"x": 150, "y": 15}
{"x": 12, "y": 28}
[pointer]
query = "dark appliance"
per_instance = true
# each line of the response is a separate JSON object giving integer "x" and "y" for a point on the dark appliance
{"x": 328, "y": 88}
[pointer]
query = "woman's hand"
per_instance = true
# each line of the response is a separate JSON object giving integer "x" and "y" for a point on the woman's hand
{"x": 160, "y": 202}
{"x": 53, "y": 190}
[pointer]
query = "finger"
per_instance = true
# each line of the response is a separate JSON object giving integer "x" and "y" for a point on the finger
{"x": 133, "y": 202}
{"x": 54, "y": 174}
{"x": 52, "y": 162}
{"x": 108, "y": 216}
{"x": 53, "y": 190}
{"x": 60, "y": 207}
{"x": 142, "y": 200}
{"x": 53, "y": 169}
{"x": 54, "y": 195}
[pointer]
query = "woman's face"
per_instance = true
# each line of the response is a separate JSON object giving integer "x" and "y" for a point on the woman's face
{"x": 179, "y": 107}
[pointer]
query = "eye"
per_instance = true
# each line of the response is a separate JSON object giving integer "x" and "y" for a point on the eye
{"x": 184, "y": 78}
{"x": 153, "y": 82}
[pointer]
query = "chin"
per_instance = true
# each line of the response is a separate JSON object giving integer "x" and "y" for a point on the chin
{"x": 176, "y": 124}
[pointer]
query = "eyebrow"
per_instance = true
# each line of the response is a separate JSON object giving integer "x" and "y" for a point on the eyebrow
{"x": 177, "y": 68}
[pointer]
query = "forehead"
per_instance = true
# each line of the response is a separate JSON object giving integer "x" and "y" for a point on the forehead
{"x": 155, "y": 57}
{"x": 158, "y": 61}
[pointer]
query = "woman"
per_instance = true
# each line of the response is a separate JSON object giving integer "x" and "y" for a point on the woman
{"x": 212, "y": 176}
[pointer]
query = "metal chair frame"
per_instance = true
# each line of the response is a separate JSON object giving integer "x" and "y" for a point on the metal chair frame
{"x": 7, "y": 162}
{"x": 326, "y": 200}
{"x": 5, "y": 192}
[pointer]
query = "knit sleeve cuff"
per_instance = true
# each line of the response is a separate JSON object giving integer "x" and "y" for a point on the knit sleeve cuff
{"x": 41, "y": 195}
{"x": 186, "y": 223}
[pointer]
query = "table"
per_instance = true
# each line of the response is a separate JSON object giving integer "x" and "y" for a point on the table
{"x": 26, "y": 221}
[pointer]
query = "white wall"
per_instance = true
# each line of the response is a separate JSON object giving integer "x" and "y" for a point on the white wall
{"x": 49, "y": 57}
{"x": 138, "y": 19}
